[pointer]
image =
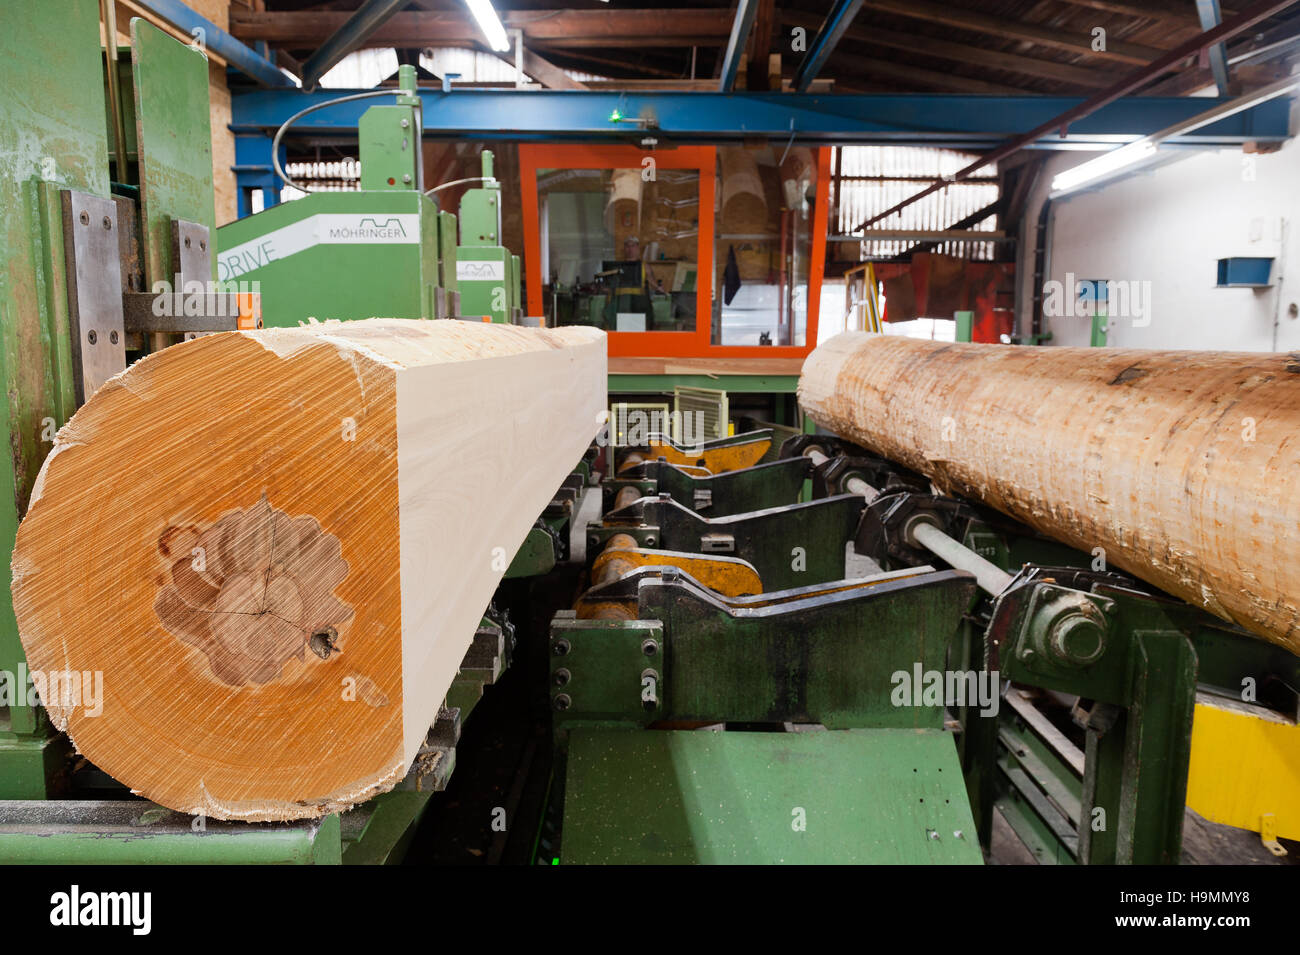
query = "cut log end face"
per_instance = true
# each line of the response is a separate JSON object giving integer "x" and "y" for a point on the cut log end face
{"x": 254, "y": 591}
{"x": 220, "y": 541}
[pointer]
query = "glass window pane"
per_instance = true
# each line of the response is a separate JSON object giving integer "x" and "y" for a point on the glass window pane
{"x": 619, "y": 247}
{"x": 764, "y": 246}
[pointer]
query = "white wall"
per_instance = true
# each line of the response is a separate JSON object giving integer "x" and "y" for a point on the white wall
{"x": 1168, "y": 226}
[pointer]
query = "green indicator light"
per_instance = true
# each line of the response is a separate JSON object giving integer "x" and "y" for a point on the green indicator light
{"x": 615, "y": 116}
{"x": 555, "y": 861}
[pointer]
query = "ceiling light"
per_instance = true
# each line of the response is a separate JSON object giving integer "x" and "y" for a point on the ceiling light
{"x": 490, "y": 24}
{"x": 1103, "y": 165}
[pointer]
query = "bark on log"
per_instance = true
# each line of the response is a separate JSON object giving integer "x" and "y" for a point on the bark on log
{"x": 275, "y": 547}
{"x": 1184, "y": 466}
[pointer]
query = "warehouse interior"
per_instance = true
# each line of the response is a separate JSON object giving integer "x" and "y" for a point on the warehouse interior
{"x": 942, "y": 502}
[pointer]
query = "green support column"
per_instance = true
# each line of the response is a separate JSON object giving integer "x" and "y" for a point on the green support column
{"x": 965, "y": 322}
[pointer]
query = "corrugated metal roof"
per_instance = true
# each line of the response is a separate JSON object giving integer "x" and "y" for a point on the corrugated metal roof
{"x": 871, "y": 179}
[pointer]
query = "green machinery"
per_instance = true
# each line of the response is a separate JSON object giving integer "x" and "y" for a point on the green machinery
{"x": 98, "y": 261}
{"x": 383, "y": 250}
{"x": 105, "y": 260}
{"x": 699, "y": 717}
{"x": 487, "y": 273}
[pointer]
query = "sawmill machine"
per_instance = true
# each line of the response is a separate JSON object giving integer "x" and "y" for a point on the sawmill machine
{"x": 731, "y": 686}
{"x": 486, "y": 271}
{"x": 108, "y": 252}
{"x": 385, "y": 249}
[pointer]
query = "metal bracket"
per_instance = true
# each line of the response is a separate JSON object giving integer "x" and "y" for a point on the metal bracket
{"x": 94, "y": 270}
{"x": 1268, "y": 834}
{"x": 191, "y": 252}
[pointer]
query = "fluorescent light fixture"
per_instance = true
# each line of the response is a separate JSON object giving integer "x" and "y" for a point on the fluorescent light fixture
{"x": 1103, "y": 165}
{"x": 1143, "y": 149}
{"x": 488, "y": 21}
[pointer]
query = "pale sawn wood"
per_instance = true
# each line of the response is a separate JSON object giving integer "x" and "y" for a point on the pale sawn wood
{"x": 275, "y": 547}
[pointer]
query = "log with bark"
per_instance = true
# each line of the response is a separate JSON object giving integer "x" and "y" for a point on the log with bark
{"x": 1184, "y": 467}
{"x": 274, "y": 548}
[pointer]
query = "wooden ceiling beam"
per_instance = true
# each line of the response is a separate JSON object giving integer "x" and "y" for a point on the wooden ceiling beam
{"x": 1089, "y": 76}
{"x": 579, "y": 28}
{"x": 1072, "y": 42}
{"x": 542, "y": 70}
{"x": 1168, "y": 11}
{"x": 934, "y": 79}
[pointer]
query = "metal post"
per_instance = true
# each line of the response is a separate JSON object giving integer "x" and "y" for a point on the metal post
{"x": 109, "y": 10}
{"x": 365, "y": 21}
{"x": 741, "y": 27}
{"x": 819, "y": 51}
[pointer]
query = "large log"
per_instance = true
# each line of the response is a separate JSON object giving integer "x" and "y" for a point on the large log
{"x": 1184, "y": 467}
{"x": 275, "y": 547}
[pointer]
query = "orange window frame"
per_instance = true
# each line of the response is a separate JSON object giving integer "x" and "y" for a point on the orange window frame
{"x": 702, "y": 159}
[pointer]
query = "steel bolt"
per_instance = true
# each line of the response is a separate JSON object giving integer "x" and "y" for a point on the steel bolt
{"x": 1077, "y": 638}
{"x": 563, "y": 702}
{"x": 649, "y": 647}
{"x": 91, "y": 336}
{"x": 84, "y": 218}
{"x": 560, "y": 647}
{"x": 112, "y": 337}
{"x": 108, "y": 223}
{"x": 561, "y": 676}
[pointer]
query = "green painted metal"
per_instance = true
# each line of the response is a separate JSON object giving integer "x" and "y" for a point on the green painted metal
{"x": 379, "y": 832}
{"x": 805, "y": 655}
{"x": 447, "y": 242}
{"x": 850, "y": 796}
{"x": 788, "y": 546}
{"x": 1140, "y": 676}
{"x": 1041, "y": 764}
{"x": 383, "y": 251}
{"x": 173, "y": 131}
{"x": 387, "y": 140}
{"x": 1100, "y": 329}
{"x": 773, "y": 484}
{"x": 129, "y": 832}
{"x": 308, "y": 268}
{"x": 390, "y": 141}
{"x": 487, "y": 282}
{"x": 620, "y": 384}
{"x": 53, "y": 136}
{"x": 536, "y": 555}
{"x": 1029, "y": 826}
{"x": 965, "y": 321}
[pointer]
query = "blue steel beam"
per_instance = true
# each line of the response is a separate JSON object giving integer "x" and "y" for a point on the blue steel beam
{"x": 741, "y": 27}
{"x": 971, "y": 122}
{"x": 837, "y": 22}
{"x": 235, "y": 53}
{"x": 370, "y": 16}
{"x": 1211, "y": 16}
